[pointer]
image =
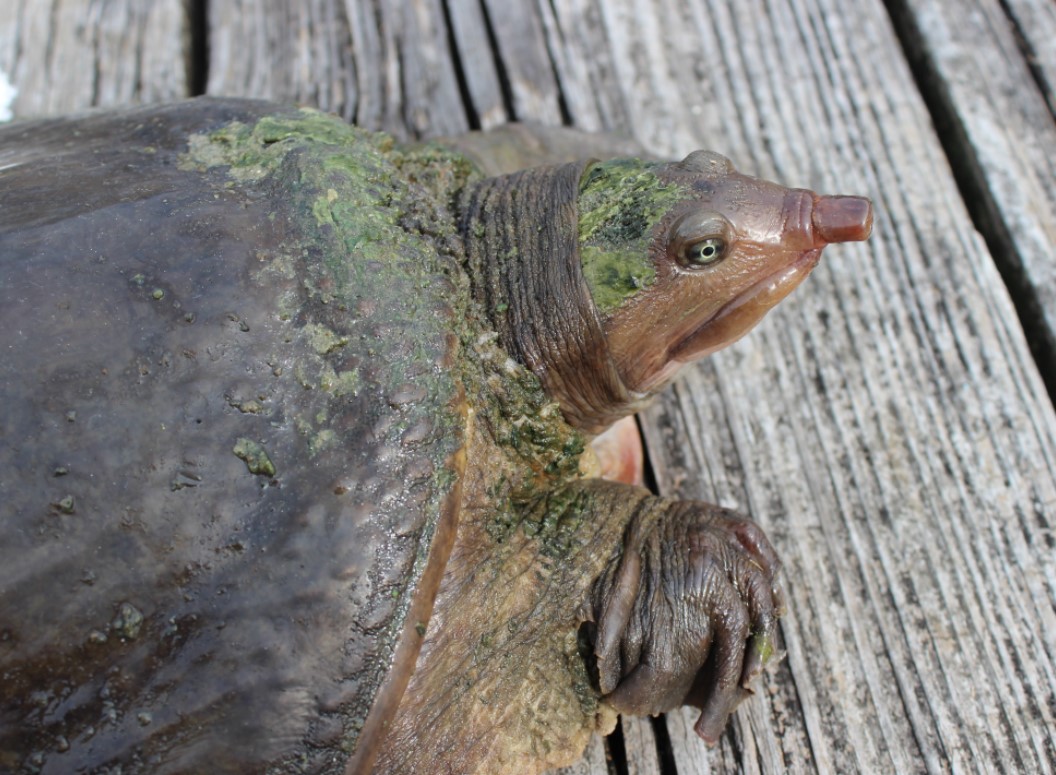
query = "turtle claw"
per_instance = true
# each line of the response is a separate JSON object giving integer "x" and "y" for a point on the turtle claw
{"x": 713, "y": 718}
{"x": 688, "y": 615}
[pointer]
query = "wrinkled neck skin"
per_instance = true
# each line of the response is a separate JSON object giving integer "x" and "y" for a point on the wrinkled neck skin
{"x": 521, "y": 241}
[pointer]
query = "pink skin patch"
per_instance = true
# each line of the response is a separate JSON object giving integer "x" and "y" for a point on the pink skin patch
{"x": 619, "y": 452}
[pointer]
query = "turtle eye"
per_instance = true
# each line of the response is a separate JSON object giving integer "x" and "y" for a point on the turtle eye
{"x": 700, "y": 238}
{"x": 703, "y": 252}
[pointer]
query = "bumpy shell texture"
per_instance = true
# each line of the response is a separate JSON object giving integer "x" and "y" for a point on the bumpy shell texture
{"x": 231, "y": 454}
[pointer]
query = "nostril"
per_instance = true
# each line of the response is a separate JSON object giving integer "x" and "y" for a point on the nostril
{"x": 842, "y": 218}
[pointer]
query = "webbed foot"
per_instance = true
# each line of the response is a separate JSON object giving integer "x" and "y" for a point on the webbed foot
{"x": 688, "y": 614}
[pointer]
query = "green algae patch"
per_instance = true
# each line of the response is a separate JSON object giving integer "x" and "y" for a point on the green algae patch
{"x": 254, "y": 456}
{"x": 371, "y": 283}
{"x": 343, "y": 383}
{"x": 620, "y": 202}
{"x": 528, "y": 447}
{"x": 438, "y": 170}
{"x": 342, "y": 176}
{"x": 254, "y": 151}
{"x": 763, "y": 646}
{"x": 614, "y": 274}
{"x": 323, "y": 340}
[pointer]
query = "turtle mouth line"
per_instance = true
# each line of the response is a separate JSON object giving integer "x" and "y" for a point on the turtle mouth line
{"x": 737, "y": 316}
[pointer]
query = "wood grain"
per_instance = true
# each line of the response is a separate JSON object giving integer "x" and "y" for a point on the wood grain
{"x": 887, "y": 424}
{"x": 382, "y": 65}
{"x": 296, "y": 52}
{"x": 989, "y": 67}
{"x": 68, "y": 55}
{"x": 640, "y": 746}
{"x": 1034, "y": 25}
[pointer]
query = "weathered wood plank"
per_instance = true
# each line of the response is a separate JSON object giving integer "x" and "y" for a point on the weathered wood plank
{"x": 521, "y": 48}
{"x": 587, "y": 82}
{"x": 297, "y": 52}
{"x": 640, "y": 746}
{"x": 421, "y": 95}
{"x": 66, "y": 55}
{"x": 382, "y": 65}
{"x": 1035, "y": 26}
{"x": 469, "y": 29}
{"x": 999, "y": 119}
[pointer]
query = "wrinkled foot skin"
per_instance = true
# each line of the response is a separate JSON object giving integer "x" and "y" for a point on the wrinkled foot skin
{"x": 688, "y": 614}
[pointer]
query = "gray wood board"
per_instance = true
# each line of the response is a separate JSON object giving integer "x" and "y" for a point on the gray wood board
{"x": 1034, "y": 23}
{"x": 67, "y": 55}
{"x": 886, "y": 424}
{"x": 989, "y": 68}
{"x": 382, "y": 65}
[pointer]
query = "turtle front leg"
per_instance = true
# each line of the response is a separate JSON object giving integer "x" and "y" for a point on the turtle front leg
{"x": 687, "y": 614}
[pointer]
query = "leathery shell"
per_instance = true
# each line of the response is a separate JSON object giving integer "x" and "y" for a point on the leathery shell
{"x": 232, "y": 447}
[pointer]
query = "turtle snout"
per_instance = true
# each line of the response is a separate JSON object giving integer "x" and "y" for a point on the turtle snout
{"x": 841, "y": 219}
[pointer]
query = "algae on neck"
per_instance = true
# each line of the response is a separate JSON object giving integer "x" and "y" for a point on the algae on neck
{"x": 620, "y": 201}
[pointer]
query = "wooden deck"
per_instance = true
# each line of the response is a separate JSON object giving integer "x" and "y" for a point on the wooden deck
{"x": 890, "y": 425}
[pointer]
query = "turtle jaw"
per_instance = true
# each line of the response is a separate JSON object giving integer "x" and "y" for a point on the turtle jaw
{"x": 742, "y": 313}
{"x": 647, "y": 365}
{"x": 821, "y": 220}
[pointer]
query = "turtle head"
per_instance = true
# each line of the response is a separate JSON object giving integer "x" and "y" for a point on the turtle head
{"x": 605, "y": 277}
{"x": 684, "y": 258}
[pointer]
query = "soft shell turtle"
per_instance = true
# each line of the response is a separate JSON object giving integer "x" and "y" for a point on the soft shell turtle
{"x": 293, "y": 473}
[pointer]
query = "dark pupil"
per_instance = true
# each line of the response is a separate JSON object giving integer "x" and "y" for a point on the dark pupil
{"x": 705, "y": 251}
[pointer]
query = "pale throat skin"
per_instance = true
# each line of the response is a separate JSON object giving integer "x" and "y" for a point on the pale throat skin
{"x": 766, "y": 240}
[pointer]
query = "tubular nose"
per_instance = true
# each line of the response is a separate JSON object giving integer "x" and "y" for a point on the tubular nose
{"x": 842, "y": 218}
